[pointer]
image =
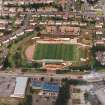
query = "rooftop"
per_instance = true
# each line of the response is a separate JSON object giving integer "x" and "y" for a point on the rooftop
{"x": 50, "y": 87}
{"x": 39, "y": 100}
{"x": 7, "y": 85}
{"x": 21, "y": 83}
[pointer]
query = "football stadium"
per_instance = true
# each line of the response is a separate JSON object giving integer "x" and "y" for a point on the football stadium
{"x": 60, "y": 51}
{"x": 55, "y": 54}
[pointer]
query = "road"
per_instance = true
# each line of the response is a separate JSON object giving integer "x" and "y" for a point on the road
{"x": 94, "y": 77}
{"x": 38, "y": 75}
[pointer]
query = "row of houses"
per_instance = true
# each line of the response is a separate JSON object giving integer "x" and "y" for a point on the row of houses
{"x": 9, "y": 7}
{"x": 59, "y": 23}
{"x": 4, "y": 25}
{"x": 11, "y": 10}
{"x": 22, "y": 2}
{"x": 6, "y": 39}
{"x": 99, "y": 33}
{"x": 62, "y": 30}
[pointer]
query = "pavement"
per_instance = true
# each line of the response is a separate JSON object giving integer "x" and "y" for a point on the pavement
{"x": 38, "y": 75}
{"x": 94, "y": 77}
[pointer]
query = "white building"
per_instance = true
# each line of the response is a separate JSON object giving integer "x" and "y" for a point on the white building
{"x": 20, "y": 88}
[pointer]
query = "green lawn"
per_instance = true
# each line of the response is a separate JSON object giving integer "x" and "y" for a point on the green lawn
{"x": 67, "y": 52}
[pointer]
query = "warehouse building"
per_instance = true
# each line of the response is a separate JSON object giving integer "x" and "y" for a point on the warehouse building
{"x": 20, "y": 87}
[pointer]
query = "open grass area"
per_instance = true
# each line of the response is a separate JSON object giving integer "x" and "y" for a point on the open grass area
{"x": 67, "y": 52}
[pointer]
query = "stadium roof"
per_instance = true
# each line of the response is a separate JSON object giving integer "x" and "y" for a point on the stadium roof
{"x": 21, "y": 83}
{"x": 50, "y": 60}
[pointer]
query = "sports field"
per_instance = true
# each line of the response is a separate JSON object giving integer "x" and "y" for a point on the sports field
{"x": 67, "y": 52}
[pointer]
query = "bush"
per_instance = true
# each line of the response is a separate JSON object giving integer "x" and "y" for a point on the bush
{"x": 6, "y": 63}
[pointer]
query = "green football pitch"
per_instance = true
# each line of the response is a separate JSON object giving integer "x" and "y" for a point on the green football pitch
{"x": 66, "y": 52}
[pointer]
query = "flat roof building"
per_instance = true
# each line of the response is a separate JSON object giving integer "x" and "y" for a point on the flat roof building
{"x": 45, "y": 88}
{"x": 50, "y": 87}
{"x": 20, "y": 88}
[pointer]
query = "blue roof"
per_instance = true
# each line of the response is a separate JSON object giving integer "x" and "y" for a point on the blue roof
{"x": 51, "y": 87}
{"x": 36, "y": 84}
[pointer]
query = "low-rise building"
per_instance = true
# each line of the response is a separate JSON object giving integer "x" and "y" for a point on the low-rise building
{"x": 20, "y": 87}
{"x": 45, "y": 88}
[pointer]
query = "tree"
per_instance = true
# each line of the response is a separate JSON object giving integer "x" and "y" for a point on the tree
{"x": 17, "y": 59}
{"x": 6, "y": 63}
{"x": 92, "y": 1}
{"x": 64, "y": 93}
{"x": 51, "y": 79}
{"x": 27, "y": 100}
